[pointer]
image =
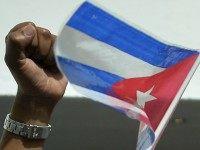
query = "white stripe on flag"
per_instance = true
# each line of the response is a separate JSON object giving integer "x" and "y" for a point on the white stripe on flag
{"x": 84, "y": 49}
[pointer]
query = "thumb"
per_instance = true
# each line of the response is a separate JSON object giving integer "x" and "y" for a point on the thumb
{"x": 16, "y": 44}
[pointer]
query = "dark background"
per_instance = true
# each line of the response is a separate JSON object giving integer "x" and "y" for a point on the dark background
{"x": 81, "y": 124}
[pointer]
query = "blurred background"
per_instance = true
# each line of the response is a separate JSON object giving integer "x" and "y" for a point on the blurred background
{"x": 82, "y": 124}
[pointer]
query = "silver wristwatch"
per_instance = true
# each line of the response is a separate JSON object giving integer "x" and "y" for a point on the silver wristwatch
{"x": 26, "y": 130}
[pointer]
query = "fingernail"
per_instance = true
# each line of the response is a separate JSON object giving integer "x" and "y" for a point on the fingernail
{"x": 28, "y": 30}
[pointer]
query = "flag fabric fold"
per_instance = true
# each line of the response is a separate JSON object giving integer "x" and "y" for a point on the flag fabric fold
{"x": 118, "y": 65}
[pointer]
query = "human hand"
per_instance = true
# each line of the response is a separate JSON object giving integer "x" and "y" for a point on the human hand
{"x": 41, "y": 85}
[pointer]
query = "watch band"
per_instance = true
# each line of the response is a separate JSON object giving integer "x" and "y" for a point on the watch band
{"x": 26, "y": 130}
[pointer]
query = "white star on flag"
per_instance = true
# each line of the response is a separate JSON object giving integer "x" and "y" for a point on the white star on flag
{"x": 143, "y": 97}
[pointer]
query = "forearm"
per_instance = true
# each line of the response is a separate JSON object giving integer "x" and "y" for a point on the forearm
{"x": 28, "y": 110}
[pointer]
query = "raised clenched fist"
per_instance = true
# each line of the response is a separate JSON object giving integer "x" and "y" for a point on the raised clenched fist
{"x": 29, "y": 56}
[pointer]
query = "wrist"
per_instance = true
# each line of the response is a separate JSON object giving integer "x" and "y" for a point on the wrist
{"x": 32, "y": 109}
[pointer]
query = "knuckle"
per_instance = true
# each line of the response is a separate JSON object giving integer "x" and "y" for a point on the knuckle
{"x": 14, "y": 39}
{"x": 44, "y": 32}
{"x": 22, "y": 24}
{"x": 30, "y": 23}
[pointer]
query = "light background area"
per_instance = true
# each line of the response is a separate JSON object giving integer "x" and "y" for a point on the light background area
{"x": 174, "y": 21}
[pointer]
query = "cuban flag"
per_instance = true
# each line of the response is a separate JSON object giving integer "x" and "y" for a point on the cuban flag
{"x": 118, "y": 65}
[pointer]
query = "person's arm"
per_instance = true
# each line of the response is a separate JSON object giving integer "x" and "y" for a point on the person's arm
{"x": 30, "y": 59}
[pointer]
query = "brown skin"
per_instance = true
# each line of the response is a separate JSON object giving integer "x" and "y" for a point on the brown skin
{"x": 29, "y": 57}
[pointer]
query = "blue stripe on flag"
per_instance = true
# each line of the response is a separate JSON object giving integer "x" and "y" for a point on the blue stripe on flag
{"x": 91, "y": 78}
{"x": 102, "y": 26}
